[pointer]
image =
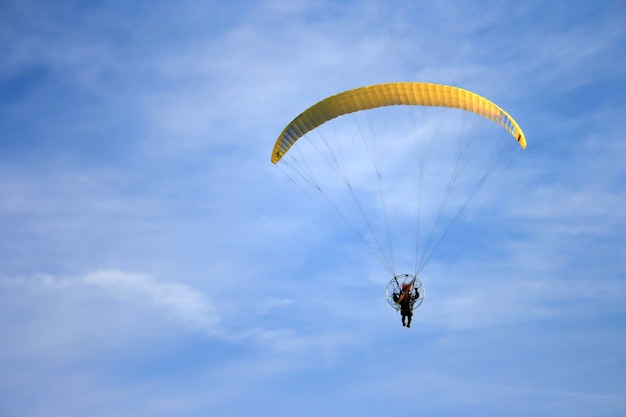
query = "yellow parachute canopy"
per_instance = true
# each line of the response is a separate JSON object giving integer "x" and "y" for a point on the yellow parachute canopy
{"x": 402, "y": 93}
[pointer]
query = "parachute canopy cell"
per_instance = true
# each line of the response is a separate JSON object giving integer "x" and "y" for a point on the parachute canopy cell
{"x": 401, "y": 93}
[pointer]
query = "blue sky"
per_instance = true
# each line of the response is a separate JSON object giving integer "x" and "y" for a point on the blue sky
{"x": 153, "y": 262}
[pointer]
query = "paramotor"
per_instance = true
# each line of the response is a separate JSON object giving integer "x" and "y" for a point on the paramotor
{"x": 398, "y": 163}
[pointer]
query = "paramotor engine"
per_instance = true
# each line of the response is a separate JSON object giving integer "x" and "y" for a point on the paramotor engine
{"x": 402, "y": 284}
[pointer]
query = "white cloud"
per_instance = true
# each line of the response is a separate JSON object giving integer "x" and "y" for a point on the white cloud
{"x": 108, "y": 309}
{"x": 179, "y": 302}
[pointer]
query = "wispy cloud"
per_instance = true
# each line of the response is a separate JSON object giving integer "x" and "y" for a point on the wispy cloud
{"x": 179, "y": 301}
{"x": 112, "y": 307}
